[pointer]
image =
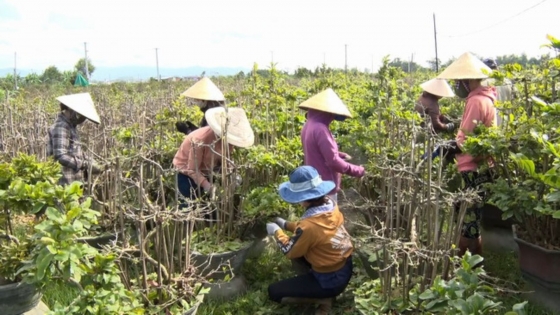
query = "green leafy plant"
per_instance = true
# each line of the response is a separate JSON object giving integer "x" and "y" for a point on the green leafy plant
{"x": 525, "y": 156}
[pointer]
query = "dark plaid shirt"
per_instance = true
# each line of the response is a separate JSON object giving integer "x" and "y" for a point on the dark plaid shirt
{"x": 65, "y": 147}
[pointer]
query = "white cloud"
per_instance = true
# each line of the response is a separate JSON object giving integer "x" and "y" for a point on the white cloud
{"x": 238, "y": 33}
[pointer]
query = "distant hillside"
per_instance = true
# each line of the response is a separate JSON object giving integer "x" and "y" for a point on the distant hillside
{"x": 136, "y": 73}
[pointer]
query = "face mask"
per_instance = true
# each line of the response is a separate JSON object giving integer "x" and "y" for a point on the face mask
{"x": 200, "y": 103}
{"x": 76, "y": 118}
{"x": 461, "y": 88}
{"x": 80, "y": 119}
{"x": 340, "y": 118}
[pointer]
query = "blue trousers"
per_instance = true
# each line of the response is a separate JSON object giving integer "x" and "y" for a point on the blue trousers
{"x": 189, "y": 190}
{"x": 187, "y": 187}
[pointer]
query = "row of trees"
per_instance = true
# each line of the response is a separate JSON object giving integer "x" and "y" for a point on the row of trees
{"x": 411, "y": 66}
{"x": 51, "y": 75}
{"x": 523, "y": 60}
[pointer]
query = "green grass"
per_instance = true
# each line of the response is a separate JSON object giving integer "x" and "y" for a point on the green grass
{"x": 58, "y": 292}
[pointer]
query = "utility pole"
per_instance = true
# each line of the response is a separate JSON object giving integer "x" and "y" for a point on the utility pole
{"x": 157, "y": 66}
{"x": 346, "y": 58}
{"x": 408, "y": 67}
{"x": 435, "y": 42}
{"x": 86, "y": 62}
{"x": 15, "y": 70}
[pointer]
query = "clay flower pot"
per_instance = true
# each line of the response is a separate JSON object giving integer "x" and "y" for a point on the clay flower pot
{"x": 538, "y": 264}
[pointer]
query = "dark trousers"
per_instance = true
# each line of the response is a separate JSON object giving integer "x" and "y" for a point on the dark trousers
{"x": 306, "y": 286}
{"x": 473, "y": 215}
{"x": 189, "y": 190}
{"x": 187, "y": 187}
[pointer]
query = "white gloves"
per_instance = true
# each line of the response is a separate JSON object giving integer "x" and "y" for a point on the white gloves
{"x": 281, "y": 223}
{"x": 271, "y": 228}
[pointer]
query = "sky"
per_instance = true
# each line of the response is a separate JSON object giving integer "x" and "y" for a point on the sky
{"x": 292, "y": 33}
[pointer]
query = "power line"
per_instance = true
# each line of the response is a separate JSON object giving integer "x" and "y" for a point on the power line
{"x": 498, "y": 23}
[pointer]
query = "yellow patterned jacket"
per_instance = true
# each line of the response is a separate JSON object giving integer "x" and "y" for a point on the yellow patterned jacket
{"x": 320, "y": 237}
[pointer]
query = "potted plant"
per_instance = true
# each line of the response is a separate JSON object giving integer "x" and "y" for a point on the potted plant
{"x": 19, "y": 177}
{"x": 46, "y": 249}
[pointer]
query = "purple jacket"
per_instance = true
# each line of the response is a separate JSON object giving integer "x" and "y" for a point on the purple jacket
{"x": 321, "y": 151}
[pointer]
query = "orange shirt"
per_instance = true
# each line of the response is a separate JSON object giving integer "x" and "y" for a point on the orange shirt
{"x": 321, "y": 239}
{"x": 195, "y": 157}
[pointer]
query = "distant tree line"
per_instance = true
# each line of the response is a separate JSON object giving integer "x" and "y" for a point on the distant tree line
{"x": 523, "y": 60}
{"x": 51, "y": 75}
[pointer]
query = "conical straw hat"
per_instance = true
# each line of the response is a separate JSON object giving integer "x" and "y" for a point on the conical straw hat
{"x": 204, "y": 89}
{"x": 327, "y": 101}
{"x": 82, "y": 104}
{"x": 467, "y": 66}
{"x": 438, "y": 87}
{"x": 239, "y": 131}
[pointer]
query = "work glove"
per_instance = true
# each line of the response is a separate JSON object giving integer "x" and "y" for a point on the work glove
{"x": 271, "y": 228}
{"x": 347, "y": 157}
{"x": 209, "y": 191}
{"x": 281, "y": 222}
{"x": 238, "y": 180}
{"x": 185, "y": 127}
{"x": 450, "y": 126}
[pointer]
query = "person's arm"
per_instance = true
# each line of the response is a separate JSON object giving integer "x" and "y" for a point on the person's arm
{"x": 444, "y": 119}
{"x": 329, "y": 150}
{"x": 297, "y": 245}
{"x": 471, "y": 117}
{"x": 61, "y": 149}
{"x": 195, "y": 152}
{"x": 436, "y": 118}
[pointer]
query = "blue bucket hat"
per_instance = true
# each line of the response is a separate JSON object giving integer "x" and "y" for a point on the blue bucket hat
{"x": 304, "y": 184}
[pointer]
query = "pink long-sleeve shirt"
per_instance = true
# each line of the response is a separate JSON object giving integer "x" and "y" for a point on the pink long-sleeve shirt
{"x": 479, "y": 108}
{"x": 321, "y": 151}
{"x": 196, "y": 159}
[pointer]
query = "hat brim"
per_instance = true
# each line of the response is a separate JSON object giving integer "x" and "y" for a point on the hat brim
{"x": 327, "y": 101}
{"x": 296, "y": 197}
{"x": 239, "y": 131}
{"x": 205, "y": 90}
{"x": 81, "y": 103}
{"x": 438, "y": 87}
